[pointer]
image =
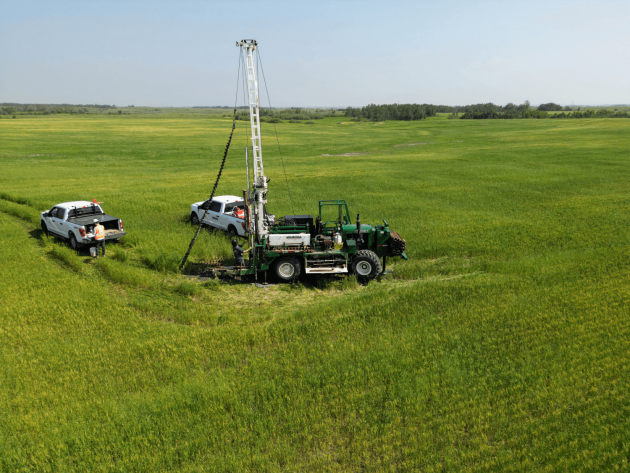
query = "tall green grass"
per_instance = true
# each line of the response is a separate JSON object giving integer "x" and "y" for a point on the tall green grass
{"x": 503, "y": 344}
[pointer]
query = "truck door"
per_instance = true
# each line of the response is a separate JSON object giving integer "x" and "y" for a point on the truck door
{"x": 48, "y": 220}
{"x": 57, "y": 221}
{"x": 212, "y": 216}
{"x": 201, "y": 211}
{"x": 224, "y": 218}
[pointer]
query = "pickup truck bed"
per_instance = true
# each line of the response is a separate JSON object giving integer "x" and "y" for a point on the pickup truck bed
{"x": 106, "y": 220}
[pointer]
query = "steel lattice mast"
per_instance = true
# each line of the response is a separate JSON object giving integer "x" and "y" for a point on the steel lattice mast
{"x": 260, "y": 180}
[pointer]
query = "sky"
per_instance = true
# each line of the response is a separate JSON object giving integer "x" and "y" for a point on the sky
{"x": 315, "y": 53}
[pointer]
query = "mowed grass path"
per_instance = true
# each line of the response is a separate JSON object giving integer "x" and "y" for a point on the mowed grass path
{"x": 503, "y": 344}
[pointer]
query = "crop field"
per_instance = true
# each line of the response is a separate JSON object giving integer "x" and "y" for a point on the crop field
{"x": 503, "y": 344}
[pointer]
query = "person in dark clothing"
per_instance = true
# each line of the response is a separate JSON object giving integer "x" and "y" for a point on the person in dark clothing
{"x": 238, "y": 253}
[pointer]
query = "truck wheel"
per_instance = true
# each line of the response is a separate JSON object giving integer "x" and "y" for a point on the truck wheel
{"x": 232, "y": 230}
{"x": 194, "y": 218}
{"x": 74, "y": 244}
{"x": 288, "y": 269}
{"x": 44, "y": 229}
{"x": 366, "y": 265}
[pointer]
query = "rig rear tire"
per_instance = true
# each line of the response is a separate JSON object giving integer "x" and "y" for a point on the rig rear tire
{"x": 288, "y": 269}
{"x": 366, "y": 265}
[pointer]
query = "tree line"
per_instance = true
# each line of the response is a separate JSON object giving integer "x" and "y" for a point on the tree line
{"x": 372, "y": 112}
{"x": 379, "y": 113}
{"x": 489, "y": 110}
{"x": 590, "y": 113}
{"x": 291, "y": 114}
{"x": 47, "y": 109}
{"x": 511, "y": 111}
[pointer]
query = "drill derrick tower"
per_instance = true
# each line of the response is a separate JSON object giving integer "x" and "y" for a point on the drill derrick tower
{"x": 258, "y": 198}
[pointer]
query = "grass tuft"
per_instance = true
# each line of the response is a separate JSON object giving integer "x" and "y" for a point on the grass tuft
{"x": 125, "y": 274}
{"x": 163, "y": 262}
{"x": 213, "y": 284}
{"x": 67, "y": 256}
{"x": 188, "y": 288}
{"x": 119, "y": 254}
{"x": 131, "y": 240}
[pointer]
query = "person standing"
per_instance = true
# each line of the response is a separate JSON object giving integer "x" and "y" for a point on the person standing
{"x": 238, "y": 253}
{"x": 99, "y": 236}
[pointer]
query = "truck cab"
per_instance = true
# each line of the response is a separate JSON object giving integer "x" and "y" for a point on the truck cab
{"x": 226, "y": 212}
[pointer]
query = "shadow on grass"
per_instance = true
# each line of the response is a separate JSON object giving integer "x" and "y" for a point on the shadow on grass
{"x": 37, "y": 234}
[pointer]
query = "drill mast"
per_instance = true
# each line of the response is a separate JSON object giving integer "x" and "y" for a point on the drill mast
{"x": 258, "y": 197}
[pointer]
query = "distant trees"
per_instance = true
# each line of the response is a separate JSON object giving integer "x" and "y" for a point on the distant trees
{"x": 509, "y": 111}
{"x": 550, "y": 107}
{"x": 476, "y": 111}
{"x": 492, "y": 111}
{"x": 591, "y": 113}
{"x": 48, "y": 109}
{"x": 404, "y": 112}
{"x": 269, "y": 115}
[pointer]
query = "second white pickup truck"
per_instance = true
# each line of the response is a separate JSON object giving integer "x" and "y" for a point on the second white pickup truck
{"x": 226, "y": 212}
{"x": 74, "y": 222}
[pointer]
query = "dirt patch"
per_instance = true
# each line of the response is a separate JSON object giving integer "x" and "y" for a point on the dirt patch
{"x": 345, "y": 154}
{"x": 409, "y": 144}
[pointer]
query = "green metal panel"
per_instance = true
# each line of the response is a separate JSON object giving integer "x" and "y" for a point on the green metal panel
{"x": 289, "y": 229}
{"x": 382, "y": 238}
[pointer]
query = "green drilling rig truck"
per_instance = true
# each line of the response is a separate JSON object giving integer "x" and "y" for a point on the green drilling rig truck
{"x": 330, "y": 243}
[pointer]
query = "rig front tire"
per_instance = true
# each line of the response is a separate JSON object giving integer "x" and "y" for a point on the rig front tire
{"x": 288, "y": 269}
{"x": 366, "y": 265}
{"x": 194, "y": 218}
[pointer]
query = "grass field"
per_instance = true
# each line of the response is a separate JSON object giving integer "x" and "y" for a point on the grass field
{"x": 503, "y": 344}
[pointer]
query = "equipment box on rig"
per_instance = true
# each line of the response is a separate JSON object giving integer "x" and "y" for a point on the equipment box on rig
{"x": 301, "y": 220}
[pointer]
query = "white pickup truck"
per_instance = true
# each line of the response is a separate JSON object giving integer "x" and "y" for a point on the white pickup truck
{"x": 226, "y": 212}
{"x": 74, "y": 222}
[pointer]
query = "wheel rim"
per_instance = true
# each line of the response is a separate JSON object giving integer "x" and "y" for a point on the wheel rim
{"x": 73, "y": 243}
{"x": 364, "y": 268}
{"x": 195, "y": 220}
{"x": 286, "y": 270}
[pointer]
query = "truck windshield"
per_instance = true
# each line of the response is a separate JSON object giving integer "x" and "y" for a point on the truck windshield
{"x": 84, "y": 211}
